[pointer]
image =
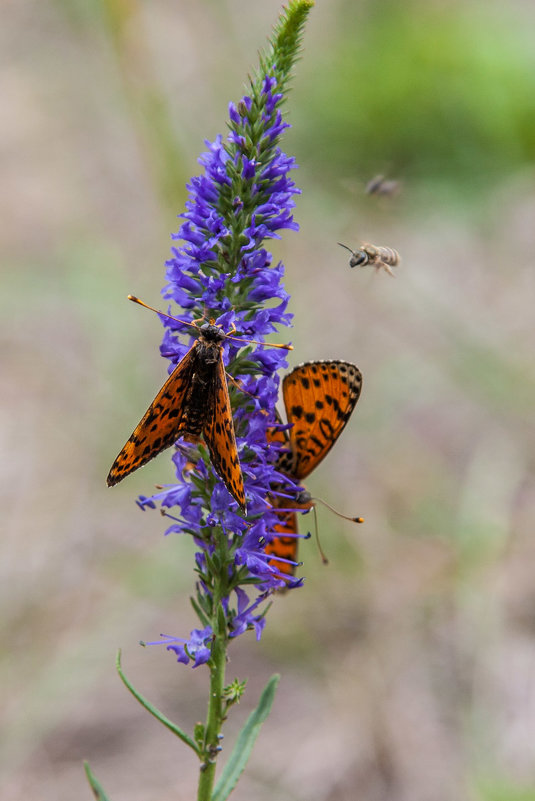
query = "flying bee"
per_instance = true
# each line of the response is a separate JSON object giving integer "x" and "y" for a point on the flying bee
{"x": 379, "y": 185}
{"x": 374, "y": 255}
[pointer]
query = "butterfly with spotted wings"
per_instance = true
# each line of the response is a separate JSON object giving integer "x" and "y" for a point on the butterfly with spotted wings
{"x": 319, "y": 398}
{"x": 194, "y": 401}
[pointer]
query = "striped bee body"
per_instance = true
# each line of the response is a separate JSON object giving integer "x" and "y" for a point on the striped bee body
{"x": 379, "y": 185}
{"x": 374, "y": 255}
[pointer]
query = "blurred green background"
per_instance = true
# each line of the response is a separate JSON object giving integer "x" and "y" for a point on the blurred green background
{"x": 408, "y": 664}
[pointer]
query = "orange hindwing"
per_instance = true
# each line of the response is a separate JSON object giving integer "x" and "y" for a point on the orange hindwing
{"x": 319, "y": 398}
{"x": 284, "y": 545}
{"x": 194, "y": 401}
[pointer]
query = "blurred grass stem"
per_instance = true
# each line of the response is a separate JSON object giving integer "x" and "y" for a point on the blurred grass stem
{"x": 147, "y": 103}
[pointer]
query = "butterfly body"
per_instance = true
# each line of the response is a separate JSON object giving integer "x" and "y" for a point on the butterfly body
{"x": 193, "y": 402}
{"x": 319, "y": 398}
{"x": 199, "y": 395}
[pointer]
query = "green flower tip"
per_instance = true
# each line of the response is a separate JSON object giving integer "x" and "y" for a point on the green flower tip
{"x": 288, "y": 28}
{"x": 286, "y": 40}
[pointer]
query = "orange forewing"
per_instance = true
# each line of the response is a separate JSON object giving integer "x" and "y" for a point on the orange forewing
{"x": 319, "y": 398}
{"x": 157, "y": 429}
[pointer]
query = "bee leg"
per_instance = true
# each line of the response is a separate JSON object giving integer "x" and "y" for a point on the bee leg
{"x": 385, "y": 266}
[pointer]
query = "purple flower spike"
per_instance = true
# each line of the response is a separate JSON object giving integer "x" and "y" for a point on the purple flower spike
{"x": 220, "y": 269}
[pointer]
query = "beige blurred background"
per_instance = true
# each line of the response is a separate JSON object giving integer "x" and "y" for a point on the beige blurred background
{"x": 408, "y": 663}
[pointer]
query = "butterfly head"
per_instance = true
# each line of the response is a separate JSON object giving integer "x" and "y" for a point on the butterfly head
{"x": 303, "y": 498}
{"x": 211, "y": 332}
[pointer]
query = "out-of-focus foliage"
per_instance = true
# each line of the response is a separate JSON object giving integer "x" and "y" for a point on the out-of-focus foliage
{"x": 434, "y": 92}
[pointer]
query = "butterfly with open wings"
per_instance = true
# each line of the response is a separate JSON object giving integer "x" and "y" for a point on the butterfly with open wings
{"x": 194, "y": 401}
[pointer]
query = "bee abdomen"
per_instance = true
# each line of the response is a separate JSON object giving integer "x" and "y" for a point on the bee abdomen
{"x": 388, "y": 255}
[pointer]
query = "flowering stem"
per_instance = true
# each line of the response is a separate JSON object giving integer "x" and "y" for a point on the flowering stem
{"x": 214, "y": 718}
{"x": 223, "y": 270}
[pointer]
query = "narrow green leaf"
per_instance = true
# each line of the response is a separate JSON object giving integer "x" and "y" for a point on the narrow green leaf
{"x": 152, "y": 709}
{"x": 95, "y": 785}
{"x": 245, "y": 742}
{"x": 221, "y": 618}
{"x": 205, "y": 620}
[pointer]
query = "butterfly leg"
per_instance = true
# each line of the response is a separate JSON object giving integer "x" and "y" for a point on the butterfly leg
{"x": 238, "y": 385}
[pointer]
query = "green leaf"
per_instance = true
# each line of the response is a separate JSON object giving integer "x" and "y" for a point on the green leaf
{"x": 245, "y": 742}
{"x": 95, "y": 785}
{"x": 153, "y": 711}
{"x": 205, "y": 620}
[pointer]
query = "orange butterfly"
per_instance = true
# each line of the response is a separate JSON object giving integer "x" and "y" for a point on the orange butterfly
{"x": 194, "y": 401}
{"x": 319, "y": 398}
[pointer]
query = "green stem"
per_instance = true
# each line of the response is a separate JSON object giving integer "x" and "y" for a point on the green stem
{"x": 283, "y": 50}
{"x": 214, "y": 718}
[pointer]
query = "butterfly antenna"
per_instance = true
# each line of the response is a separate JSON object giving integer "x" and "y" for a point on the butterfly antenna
{"x": 337, "y": 513}
{"x": 256, "y": 342}
{"x": 134, "y": 299}
{"x": 318, "y": 543}
{"x": 169, "y": 317}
